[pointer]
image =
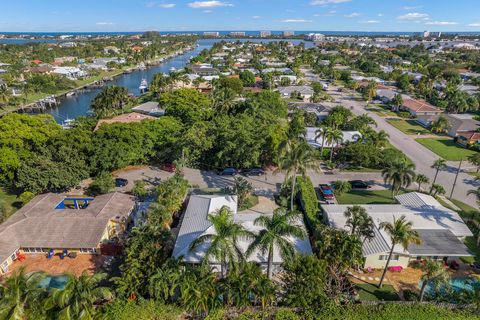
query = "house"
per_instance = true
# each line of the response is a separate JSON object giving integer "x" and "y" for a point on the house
{"x": 419, "y": 108}
{"x": 320, "y": 110}
{"x": 203, "y": 69}
{"x": 386, "y": 95}
{"x": 468, "y": 139}
{"x": 348, "y": 137}
{"x": 72, "y": 73}
{"x": 304, "y": 92}
{"x": 461, "y": 123}
{"x": 125, "y": 118}
{"x": 60, "y": 222}
{"x": 195, "y": 224}
{"x": 441, "y": 230}
{"x": 150, "y": 108}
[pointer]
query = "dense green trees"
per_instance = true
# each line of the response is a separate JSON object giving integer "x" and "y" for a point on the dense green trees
{"x": 110, "y": 101}
{"x": 188, "y": 105}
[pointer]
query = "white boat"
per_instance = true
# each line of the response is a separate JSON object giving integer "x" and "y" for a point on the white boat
{"x": 68, "y": 123}
{"x": 172, "y": 69}
{"x": 142, "y": 66}
{"x": 143, "y": 85}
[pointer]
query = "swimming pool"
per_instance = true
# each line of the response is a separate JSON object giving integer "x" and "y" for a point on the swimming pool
{"x": 457, "y": 284}
{"x": 54, "y": 282}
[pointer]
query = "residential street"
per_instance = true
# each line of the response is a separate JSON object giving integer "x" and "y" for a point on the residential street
{"x": 421, "y": 156}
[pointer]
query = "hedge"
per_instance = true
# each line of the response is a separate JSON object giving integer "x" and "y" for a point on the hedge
{"x": 308, "y": 201}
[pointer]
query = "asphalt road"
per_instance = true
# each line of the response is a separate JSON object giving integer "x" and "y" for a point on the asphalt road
{"x": 421, "y": 156}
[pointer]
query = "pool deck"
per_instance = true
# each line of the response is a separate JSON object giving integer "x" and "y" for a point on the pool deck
{"x": 56, "y": 266}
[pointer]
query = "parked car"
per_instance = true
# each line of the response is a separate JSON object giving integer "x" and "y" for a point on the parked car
{"x": 327, "y": 192}
{"x": 120, "y": 182}
{"x": 169, "y": 167}
{"x": 359, "y": 184}
{"x": 254, "y": 172}
{"x": 228, "y": 172}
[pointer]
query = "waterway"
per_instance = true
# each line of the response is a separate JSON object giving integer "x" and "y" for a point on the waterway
{"x": 79, "y": 104}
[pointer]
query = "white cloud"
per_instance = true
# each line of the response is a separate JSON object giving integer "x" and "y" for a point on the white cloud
{"x": 167, "y": 5}
{"x": 326, "y": 2}
{"x": 327, "y": 14}
{"x": 257, "y": 17}
{"x": 370, "y": 21}
{"x": 412, "y": 7}
{"x": 441, "y": 23}
{"x": 105, "y": 23}
{"x": 412, "y": 16}
{"x": 209, "y": 4}
{"x": 352, "y": 15}
{"x": 476, "y": 24}
{"x": 380, "y": 14}
{"x": 295, "y": 21}
{"x": 207, "y": 11}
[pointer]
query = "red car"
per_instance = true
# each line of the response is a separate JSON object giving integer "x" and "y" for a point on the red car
{"x": 169, "y": 167}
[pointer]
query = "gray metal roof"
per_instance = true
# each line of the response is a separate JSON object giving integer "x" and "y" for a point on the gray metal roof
{"x": 439, "y": 243}
{"x": 376, "y": 245}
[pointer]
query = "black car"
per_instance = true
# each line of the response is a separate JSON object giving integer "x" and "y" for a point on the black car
{"x": 228, "y": 172}
{"x": 120, "y": 182}
{"x": 254, "y": 172}
{"x": 359, "y": 184}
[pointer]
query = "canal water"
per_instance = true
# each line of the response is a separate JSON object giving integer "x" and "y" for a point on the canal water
{"x": 79, "y": 104}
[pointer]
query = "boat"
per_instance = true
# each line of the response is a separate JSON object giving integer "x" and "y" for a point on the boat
{"x": 172, "y": 69}
{"x": 143, "y": 85}
{"x": 68, "y": 123}
{"x": 142, "y": 66}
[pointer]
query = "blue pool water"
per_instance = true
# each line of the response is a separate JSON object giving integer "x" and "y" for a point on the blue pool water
{"x": 457, "y": 284}
{"x": 54, "y": 282}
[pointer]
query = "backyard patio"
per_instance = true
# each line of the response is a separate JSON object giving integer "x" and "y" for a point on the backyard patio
{"x": 56, "y": 266}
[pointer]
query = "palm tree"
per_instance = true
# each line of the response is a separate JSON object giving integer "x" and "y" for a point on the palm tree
{"x": 441, "y": 125}
{"x": 322, "y": 133}
{"x": 475, "y": 160}
{"x": 276, "y": 233}
{"x": 438, "y": 165}
{"x": 357, "y": 219}
{"x": 241, "y": 188}
{"x": 5, "y": 95}
{"x": 421, "y": 179}
{"x": 438, "y": 189}
{"x": 378, "y": 139}
{"x": 400, "y": 232}
{"x": 223, "y": 241}
{"x": 296, "y": 158}
{"x": 399, "y": 174}
{"x": 333, "y": 137}
{"x": 433, "y": 271}
{"x": 18, "y": 293}
{"x": 77, "y": 300}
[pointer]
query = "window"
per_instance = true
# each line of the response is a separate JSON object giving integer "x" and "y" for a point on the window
{"x": 26, "y": 250}
{"x": 14, "y": 256}
{"x": 419, "y": 258}
{"x": 396, "y": 257}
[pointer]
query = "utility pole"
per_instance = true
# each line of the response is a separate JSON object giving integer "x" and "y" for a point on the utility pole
{"x": 456, "y": 177}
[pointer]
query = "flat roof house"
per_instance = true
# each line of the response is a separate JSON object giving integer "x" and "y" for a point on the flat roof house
{"x": 57, "y": 221}
{"x": 347, "y": 136}
{"x": 150, "y": 108}
{"x": 195, "y": 224}
{"x": 441, "y": 230}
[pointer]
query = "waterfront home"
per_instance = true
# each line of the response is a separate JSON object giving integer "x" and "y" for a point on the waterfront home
{"x": 59, "y": 224}
{"x": 125, "y": 118}
{"x": 72, "y": 73}
{"x": 347, "y": 137}
{"x": 150, "y": 108}
{"x": 441, "y": 230}
{"x": 195, "y": 223}
{"x": 203, "y": 69}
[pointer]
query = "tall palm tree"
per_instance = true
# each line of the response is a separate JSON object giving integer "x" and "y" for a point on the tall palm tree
{"x": 433, "y": 271}
{"x": 276, "y": 233}
{"x": 223, "y": 242}
{"x": 400, "y": 232}
{"x": 438, "y": 189}
{"x": 399, "y": 174}
{"x": 296, "y": 158}
{"x": 438, "y": 165}
{"x": 421, "y": 179}
{"x": 18, "y": 293}
{"x": 77, "y": 300}
{"x": 321, "y": 133}
{"x": 333, "y": 137}
{"x": 358, "y": 220}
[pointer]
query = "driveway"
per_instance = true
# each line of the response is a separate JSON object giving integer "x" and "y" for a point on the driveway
{"x": 421, "y": 156}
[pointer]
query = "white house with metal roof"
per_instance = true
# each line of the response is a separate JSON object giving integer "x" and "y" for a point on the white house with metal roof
{"x": 441, "y": 230}
{"x": 195, "y": 223}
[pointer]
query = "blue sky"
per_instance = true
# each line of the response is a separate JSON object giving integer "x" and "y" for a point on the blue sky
{"x": 174, "y": 15}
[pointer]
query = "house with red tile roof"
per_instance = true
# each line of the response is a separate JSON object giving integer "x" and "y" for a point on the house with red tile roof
{"x": 421, "y": 110}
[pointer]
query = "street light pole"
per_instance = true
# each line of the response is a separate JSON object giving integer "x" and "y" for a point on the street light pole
{"x": 456, "y": 177}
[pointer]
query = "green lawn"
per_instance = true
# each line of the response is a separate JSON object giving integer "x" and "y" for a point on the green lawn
{"x": 370, "y": 292}
{"x": 381, "y": 110}
{"x": 446, "y": 148}
{"x": 367, "y": 197}
{"x": 9, "y": 201}
{"x": 408, "y": 127}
